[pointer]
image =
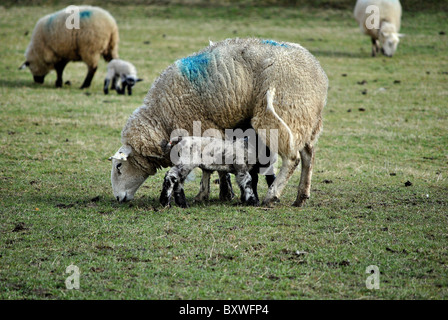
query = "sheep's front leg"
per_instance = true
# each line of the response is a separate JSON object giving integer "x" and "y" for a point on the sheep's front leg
{"x": 89, "y": 77}
{"x": 244, "y": 181}
{"x": 171, "y": 179}
{"x": 375, "y": 47}
{"x": 289, "y": 164}
{"x": 59, "y": 67}
{"x": 307, "y": 157}
{"x": 204, "y": 191}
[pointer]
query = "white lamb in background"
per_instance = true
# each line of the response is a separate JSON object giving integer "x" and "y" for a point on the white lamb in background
{"x": 125, "y": 71}
{"x": 386, "y": 37}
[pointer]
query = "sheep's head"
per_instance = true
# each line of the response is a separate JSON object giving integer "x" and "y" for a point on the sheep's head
{"x": 126, "y": 177}
{"x": 389, "y": 39}
{"x": 38, "y": 66}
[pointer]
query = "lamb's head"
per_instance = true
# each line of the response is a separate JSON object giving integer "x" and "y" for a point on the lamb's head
{"x": 127, "y": 176}
{"x": 389, "y": 39}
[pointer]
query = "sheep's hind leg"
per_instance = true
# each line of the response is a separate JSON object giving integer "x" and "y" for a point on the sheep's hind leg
{"x": 285, "y": 173}
{"x": 307, "y": 157}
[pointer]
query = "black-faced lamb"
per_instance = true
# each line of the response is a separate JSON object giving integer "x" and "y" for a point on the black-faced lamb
{"x": 120, "y": 70}
{"x": 55, "y": 42}
{"x": 211, "y": 154}
{"x": 384, "y": 35}
{"x": 279, "y": 86}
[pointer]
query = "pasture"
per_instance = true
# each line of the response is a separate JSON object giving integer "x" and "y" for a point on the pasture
{"x": 379, "y": 190}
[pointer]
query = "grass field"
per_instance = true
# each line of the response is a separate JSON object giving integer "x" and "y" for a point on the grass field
{"x": 385, "y": 124}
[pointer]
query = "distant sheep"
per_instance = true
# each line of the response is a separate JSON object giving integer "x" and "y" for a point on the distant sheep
{"x": 210, "y": 154}
{"x": 386, "y": 37}
{"x": 279, "y": 87}
{"x": 125, "y": 71}
{"x": 53, "y": 45}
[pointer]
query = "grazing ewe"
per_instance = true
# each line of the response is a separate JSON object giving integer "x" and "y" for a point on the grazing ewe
{"x": 53, "y": 44}
{"x": 279, "y": 86}
{"x": 386, "y": 36}
{"x": 123, "y": 70}
{"x": 210, "y": 154}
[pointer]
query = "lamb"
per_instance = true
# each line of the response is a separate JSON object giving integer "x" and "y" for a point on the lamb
{"x": 53, "y": 44}
{"x": 265, "y": 167}
{"x": 124, "y": 70}
{"x": 386, "y": 36}
{"x": 210, "y": 154}
{"x": 279, "y": 87}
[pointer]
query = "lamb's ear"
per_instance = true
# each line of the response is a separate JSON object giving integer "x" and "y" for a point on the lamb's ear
{"x": 122, "y": 153}
{"x": 24, "y": 65}
{"x": 138, "y": 80}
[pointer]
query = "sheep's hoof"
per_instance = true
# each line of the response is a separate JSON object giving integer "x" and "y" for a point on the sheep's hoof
{"x": 300, "y": 201}
{"x": 269, "y": 203}
{"x": 252, "y": 202}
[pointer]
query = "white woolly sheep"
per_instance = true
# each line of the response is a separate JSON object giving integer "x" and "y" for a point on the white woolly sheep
{"x": 125, "y": 71}
{"x": 53, "y": 44}
{"x": 210, "y": 154}
{"x": 386, "y": 37}
{"x": 279, "y": 86}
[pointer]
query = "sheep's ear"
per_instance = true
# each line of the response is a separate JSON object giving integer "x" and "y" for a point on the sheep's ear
{"x": 138, "y": 80}
{"x": 24, "y": 65}
{"x": 122, "y": 153}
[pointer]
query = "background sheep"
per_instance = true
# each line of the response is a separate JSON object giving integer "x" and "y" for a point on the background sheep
{"x": 387, "y": 36}
{"x": 53, "y": 45}
{"x": 125, "y": 71}
{"x": 209, "y": 154}
{"x": 220, "y": 86}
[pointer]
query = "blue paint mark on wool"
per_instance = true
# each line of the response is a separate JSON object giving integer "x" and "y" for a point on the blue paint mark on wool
{"x": 194, "y": 68}
{"x": 85, "y": 14}
{"x": 274, "y": 43}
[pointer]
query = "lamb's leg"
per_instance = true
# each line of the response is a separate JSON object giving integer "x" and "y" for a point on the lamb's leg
{"x": 244, "y": 180}
{"x": 114, "y": 82}
{"x": 289, "y": 164}
{"x": 122, "y": 89}
{"x": 129, "y": 90}
{"x": 204, "y": 191}
{"x": 89, "y": 77}
{"x": 59, "y": 67}
{"x": 225, "y": 187}
{"x": 254, "y": 176}
{"x": 307, "y": 157}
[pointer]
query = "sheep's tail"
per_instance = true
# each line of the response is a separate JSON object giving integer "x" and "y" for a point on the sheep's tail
{"x": 112, "y": 50}
{"x": 270, "y": 107}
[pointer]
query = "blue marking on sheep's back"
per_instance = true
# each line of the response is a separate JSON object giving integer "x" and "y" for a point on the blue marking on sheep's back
{"x": 274, "y": 43}
{"x": 194, "y": 68}
{"x": 85, "y": 14}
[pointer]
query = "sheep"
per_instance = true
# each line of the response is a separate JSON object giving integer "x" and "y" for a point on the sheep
{"x": 210, "y": 154}
{"x": 53, "y": 44}
{"x": 236, "y": 79}
{"x": 385, "y": 36}
{"x": 120, "y": 69}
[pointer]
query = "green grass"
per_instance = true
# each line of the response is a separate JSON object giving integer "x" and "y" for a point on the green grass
{"x": 57, "y": 206}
